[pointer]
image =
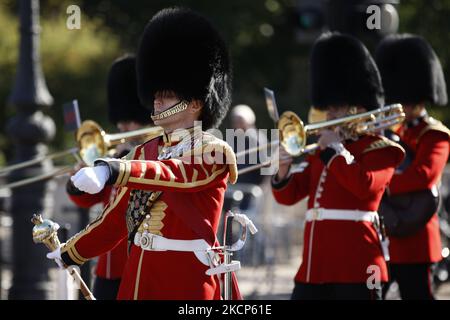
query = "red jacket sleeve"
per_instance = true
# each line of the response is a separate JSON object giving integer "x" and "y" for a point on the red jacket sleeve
{"x": 86, "y": 200}
{"x": 101, "y": 235}
{"x": 294, "y": 188}
{"x": 196, "y": 170}
{"x": 169, "y": 175}
{"x": 427, "y": 166}
{"x": 369, "y": 174}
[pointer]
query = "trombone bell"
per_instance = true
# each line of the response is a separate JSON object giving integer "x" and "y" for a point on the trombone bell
{"x": 94, "y": 142}
{"x": 292, "y": 133}
{"x": 91, "y": 141}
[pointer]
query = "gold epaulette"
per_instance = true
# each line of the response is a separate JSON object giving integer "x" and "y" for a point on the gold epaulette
{"x": 210, "y": 143}
{"x": 433, "y": 125}
{"x": 383, "y": 142}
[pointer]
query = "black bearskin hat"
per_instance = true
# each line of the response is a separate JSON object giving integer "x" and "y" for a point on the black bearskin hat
{"x": 343, "y": 73}
{"x": 123, "y": 100}
{"x": 410, "y": 70}
{"x": 181, "y": 51}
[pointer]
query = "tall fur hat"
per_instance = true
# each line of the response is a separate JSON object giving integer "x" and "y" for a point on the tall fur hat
{"x": 181, "y": 51}
{"x": 123, "y": 100}
{"x": 343, "y": 73}
{"x": 410, "y": 70}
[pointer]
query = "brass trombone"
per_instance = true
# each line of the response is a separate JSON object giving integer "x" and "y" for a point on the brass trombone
{"x": 294, "y": 134}
{"x": 93, "y": 142}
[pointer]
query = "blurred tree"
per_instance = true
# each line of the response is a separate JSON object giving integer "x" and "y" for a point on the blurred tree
{"x": 357, "y": 17}
{"x": 75, "y": 63}
{"x": 261, "y": 36}
{"x": 310, "y": 19}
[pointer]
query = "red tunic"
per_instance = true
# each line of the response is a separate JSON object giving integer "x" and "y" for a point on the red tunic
{"x": 111, "y": 264}
{"x": 339, "y": 251}
{"x": 190, "y": 190}
{"x": 429, "y": 141}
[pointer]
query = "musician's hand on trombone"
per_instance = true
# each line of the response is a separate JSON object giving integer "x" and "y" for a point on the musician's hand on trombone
{"x": 328, "y": 137}
{"x": 284, "y": 163}
{"x": 91, "y": 179}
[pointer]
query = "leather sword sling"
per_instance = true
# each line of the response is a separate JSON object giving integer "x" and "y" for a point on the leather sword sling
{"x": 405, "y": 214}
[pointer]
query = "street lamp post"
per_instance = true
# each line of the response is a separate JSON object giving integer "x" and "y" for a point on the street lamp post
{"x": 30, "y": 129}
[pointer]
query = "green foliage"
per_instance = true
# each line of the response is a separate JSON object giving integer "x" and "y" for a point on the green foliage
{"x": 260, "y": 35}
{"x": 75, "y": 64}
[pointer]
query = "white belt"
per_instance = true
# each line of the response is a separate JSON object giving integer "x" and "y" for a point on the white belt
{"x": 336, "y": 214}
{"x": 153, "y": 242}
{"x": 350, "y": 215}
{"x": 201, "y": 249}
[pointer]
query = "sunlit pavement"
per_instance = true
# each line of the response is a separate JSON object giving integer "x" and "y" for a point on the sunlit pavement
{"x": 263, "y": 283}
{"x": 276, "y": 282}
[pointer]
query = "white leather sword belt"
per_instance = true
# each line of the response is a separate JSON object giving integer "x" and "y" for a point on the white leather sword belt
{"x": 202, "y": 250}
{"x": 319, "y": 214}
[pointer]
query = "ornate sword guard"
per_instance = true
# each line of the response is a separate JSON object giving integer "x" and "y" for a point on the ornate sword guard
{"x": 45, "y": 231}
{"x": 230, "y": 266}
{"x": 246, "y": 224}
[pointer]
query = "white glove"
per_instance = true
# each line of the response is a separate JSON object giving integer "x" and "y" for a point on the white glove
{"x": 91, "y": 179}
{"x": 56, "y": 255}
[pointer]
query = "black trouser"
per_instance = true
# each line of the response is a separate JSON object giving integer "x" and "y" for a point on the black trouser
{"x": 106, "y": 289}
{"x": 414, "y": 281}
{"x": 334, "y": 291}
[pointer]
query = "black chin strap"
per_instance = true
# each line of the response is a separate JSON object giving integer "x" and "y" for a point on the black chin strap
{"x": 176, "y": 108}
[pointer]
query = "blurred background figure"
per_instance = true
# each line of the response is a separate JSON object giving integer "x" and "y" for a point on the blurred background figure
{"x": 126, "y": 113}
{"x": 246, "y": 194}
{"x": 344, "y": 180}
{"x": 243, "y": 121}
{"x": 412, "y": 75}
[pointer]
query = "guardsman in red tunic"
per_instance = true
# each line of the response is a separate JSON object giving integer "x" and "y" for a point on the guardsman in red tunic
{"x": 126, "y": 112}
{"x": 412, "y": 75}
{"x": 170, "y": 190}
{"x": 344, "y": 180}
